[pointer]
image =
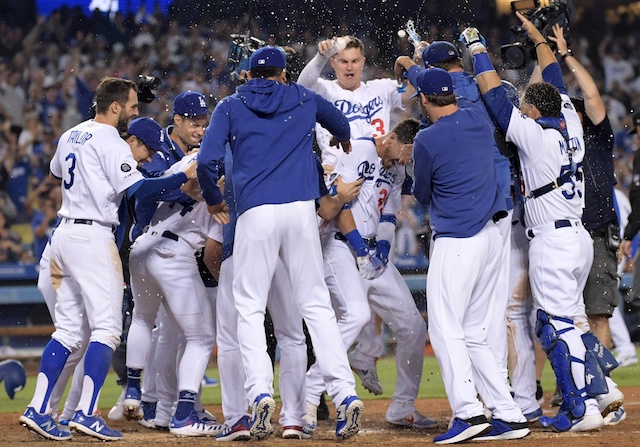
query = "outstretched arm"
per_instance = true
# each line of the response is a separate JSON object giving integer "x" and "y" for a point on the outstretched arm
{"x": 596, "y": 111}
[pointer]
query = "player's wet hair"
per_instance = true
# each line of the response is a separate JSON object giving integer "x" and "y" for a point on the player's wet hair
{"x": 406, "y": 130}
{"x": 265, "y": 72}
{"x": 113, "y": 89}
{"x": 448, "y": 64}
{"x": 545, "y": 97}
{"x": 354, "y": 42}
{"x": 442, "y": 100}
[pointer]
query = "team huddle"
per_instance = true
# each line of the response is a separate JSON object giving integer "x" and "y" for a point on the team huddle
{"x": 231, "y": 213}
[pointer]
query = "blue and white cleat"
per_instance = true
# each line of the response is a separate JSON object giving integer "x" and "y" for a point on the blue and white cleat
{"x": 238, "y": 432}
{"x": 616, "y": 416}
{"x": 534, "y": 415}
{"x": 149, "y": 414}
{"x": 192, "y": 425}
{"x": 348, "y": 416}
{"x": 263, "y": 408}
{"x": 208, "y": 382}
{"x": 132, "y": 404}
{"x": 464, "y": 430}
{"x": 43, "y": 425}
{"x": 93, "y": 426}
{"x": 502, "y": 430}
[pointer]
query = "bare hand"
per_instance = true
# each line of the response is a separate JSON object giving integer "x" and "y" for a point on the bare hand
{"x": 220, "y": 212}
{"x": 221, "y": 183}
{"x": 192, "y": 189}
{"x": 348, "y": 191}
{"x": 403, "y": 63}
{"x": 558, "y": 38}
{"x": 345, "y": 145}
{"x": 534, "y": 34}
{"x": 190, "y": 170}
{"x": 625, "y": 248}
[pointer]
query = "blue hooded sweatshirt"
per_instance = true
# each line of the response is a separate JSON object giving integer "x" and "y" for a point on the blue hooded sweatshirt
{"x": 270, "y": 128}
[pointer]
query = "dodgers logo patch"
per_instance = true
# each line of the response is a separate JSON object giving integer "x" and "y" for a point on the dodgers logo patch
{"x": 124, "y": 167}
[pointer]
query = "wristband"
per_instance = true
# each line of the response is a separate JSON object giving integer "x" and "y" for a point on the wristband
{"x": 567, "y": 54}
{"x": 540, "y": 43}
{"x": 482, "y": 63}
{"x": 356, "y": 242}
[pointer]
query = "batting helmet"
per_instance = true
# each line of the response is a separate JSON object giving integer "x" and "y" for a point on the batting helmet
{"x": 14, "y": 376}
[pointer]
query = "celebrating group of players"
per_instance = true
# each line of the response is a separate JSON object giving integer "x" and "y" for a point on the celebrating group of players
{"x": 250, "y": 198}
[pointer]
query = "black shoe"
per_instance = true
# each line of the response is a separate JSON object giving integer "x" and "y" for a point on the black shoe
{"x": 556, "y": 399}
{"x": 323, "y": 409}
{"x": 539, "y": 393}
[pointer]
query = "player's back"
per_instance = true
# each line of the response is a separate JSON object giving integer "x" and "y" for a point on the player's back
{"x": 96, "y": 167}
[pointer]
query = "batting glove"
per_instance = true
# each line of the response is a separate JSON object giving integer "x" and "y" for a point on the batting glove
{"x": 370, "y": 266}
{"x": 473, "y": 40}
{"x": 382, "y": 252}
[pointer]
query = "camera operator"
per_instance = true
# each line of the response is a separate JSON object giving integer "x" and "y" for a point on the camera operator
{"x": 560, "y": 249}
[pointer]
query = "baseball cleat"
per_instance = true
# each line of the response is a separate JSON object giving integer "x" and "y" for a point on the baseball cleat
{"x": 132, "y": 405}
{"x": 323, "y": 409}
{"x": 627, "y": 360}
{"x": 43, "y": 425}
{"x": 238, "y": 432}
{"x": 149, "y": 414}
{"x": 263, "y": 408}
{"x": 208, "y": 382}
{"x": 415, "y": 420}
{"x": 502, "y": 430}
{"x": 295, "y": 432}
{"x": 193, "y": 426}
{"x": 610, "y": 402}
{"x": 369, "y": 378}
{"x": 117, "y": 411}
{"x": 533, "y": 416}
{"x": 539, "y": 393}
{"x": 93, "y": 426}
{"x": 464, "y": 430}
{"x": 349, "y": 413}
{"x": 311, "y": 418}
{"x": 615, "y": 417}
{"x": 563, "y": 421}
{"x": 556, "y": 399}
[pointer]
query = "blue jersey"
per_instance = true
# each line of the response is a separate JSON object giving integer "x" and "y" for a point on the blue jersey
{"x": 454, "y": 172}
{"x": 269, "y": 127}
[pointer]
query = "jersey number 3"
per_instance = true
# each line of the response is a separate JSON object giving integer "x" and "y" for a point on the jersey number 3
{"x": 379, "y": 125}
{"x": 71, "y": 157}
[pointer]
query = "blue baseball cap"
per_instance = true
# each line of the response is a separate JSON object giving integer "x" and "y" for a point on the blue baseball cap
{"x": 149, "y": 131}
{"x": 439, "y": 51}
{"x": 268, "y": 57}
{"x": 190, "y": 104}
{"x": 433, "y": 81}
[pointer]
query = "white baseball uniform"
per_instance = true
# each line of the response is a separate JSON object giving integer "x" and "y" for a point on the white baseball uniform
{"x": 368, "y": 108}
{"x": 164, "y": 269}
{"x": 388, "y": 295}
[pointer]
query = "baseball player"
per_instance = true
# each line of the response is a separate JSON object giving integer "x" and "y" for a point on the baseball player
{"x": 548, "y": 134}
{"x": 445, "y": 55}
{"x": 275, "y": 191}
{"x": 381, "y": 162}
{"x": 366, "y": 104}
{"x": 163, "y": 267}
{"x": 14, "y": 377}
{"x": 96, "y": 168}
{"x": 288, "y": 331}
{"x": 453, "y": 160}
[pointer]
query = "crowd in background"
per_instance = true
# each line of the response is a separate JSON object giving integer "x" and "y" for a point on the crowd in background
{"x": 49, "y": 71}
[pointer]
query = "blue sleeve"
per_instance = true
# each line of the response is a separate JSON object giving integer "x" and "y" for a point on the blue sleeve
{"x": 212, "y": 152}
{"x": 499, "y": 106}
{"x": 156, "y": 167}
{"x": 412, "y": 74}
{"x": 407, "y": 185}
{"x": 422, "y": 172}
{"x": 553, "y": 75}
{"x": 332, "y": 119}
{"x": 156, "y": 188}
{"x": 321, "y": 184}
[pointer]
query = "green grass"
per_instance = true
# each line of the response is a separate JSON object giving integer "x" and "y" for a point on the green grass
{"x": 431, "y": 386}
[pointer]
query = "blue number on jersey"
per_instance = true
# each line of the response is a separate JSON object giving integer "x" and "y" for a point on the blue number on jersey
{"x": 569, "y": 194}
{"x": 71, "y": 157}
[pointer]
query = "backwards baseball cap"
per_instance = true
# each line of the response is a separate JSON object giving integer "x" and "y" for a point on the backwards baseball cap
{"x": 433, "y": 81}
{"x": 439, "y": 51}
{"x": 190, "y": 104}
{"x": 149, "y": 131}
{"x": 268, "y": 57}
{"x": 635, "y": 122}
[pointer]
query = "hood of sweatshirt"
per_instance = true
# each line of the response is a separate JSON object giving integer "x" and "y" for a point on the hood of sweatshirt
{"x": 465, "y": 85}
{"x": 264, "y": 96}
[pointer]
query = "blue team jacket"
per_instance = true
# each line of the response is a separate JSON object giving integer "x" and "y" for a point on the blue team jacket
{"x": 269, "y": 127}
